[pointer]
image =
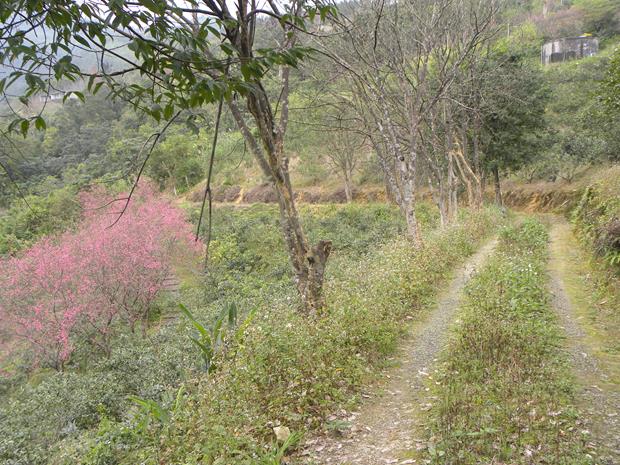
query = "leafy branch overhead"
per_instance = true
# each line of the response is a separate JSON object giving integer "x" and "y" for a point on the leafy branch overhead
{"x": 173, "y": 56}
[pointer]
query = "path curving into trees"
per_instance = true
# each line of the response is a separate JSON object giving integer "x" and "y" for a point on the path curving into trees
{"x": 381, "y": 432}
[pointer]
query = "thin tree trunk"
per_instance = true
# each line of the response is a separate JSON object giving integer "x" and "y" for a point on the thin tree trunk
{"x": 348, "y": 189}
{"x": 452, "y": 189}
{"x": 442, "y": 202}
{"x": 477, "y": 166}
{"x": 452, "y": 180}
{"x": 409, "y": 210}
{"x": 467, "y": 174}
{"x": 498, "y": 188}
{"x": 388, "y": 167}
{"x": 407, "y": 176}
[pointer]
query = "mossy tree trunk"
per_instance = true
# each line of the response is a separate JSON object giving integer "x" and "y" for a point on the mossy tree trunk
{"x": 308, "y": 263}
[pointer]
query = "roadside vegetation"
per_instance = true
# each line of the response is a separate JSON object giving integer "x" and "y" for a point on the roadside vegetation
{"x": 504, "y": 390}
{"x": 596, "y": 220}
{"x": 591, "y": 204}
{"x": 146, "y": 402}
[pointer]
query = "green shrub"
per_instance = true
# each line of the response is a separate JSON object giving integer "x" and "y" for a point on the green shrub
{"x": 597, "y": 218}
{"x": 35, "y": 216}
{"x": 59, "y": 406}
{"x": 289, "y": 370}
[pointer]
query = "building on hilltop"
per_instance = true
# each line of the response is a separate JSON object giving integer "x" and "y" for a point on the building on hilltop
{"x": 568, "y": 48}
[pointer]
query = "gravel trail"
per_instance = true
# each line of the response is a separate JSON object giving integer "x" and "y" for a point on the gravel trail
{"x": 382, "y": 431}
{"x": 599, "y": 396}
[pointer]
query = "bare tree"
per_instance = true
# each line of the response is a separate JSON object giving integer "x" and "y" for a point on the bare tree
{"x": 344, "y": 148}
{"x": 403, "y": 58}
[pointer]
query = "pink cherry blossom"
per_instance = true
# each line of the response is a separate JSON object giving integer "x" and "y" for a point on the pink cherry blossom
{"x": 82, "y": 285}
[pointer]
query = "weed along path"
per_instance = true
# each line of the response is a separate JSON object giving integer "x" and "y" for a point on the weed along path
{"x": 596, "y": 372}
{"x": 381, "y": 432}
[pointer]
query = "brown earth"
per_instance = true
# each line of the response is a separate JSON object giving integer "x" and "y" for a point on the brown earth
{"x": 542, "y": 198}
{"x": 265, "y": 194}
{"x": 559, "y": 196}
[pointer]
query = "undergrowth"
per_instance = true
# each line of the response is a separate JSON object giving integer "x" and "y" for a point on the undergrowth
{"x": 153, "y": 400}
{"x": 505, "y": 392}
{"x": 596, "y": 220}
{"x": 284, "y": 370}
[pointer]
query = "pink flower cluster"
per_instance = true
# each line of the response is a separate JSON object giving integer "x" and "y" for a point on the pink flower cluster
{"x": 83, "y": 284}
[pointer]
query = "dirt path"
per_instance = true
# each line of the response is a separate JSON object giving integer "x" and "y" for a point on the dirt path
{"x": 382, "y": 431}
{"x": 600, "y": 394}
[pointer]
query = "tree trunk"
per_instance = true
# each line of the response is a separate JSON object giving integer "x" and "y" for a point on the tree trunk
{"x": 477, "y": 166}
{"x": 412, "y": 222}
{"x": 467, "y": 175}
{"x": 408, "y": 175}
{"x": 308, "y": 264}
{"x": 387, "y": 165}
{"x": 452, "y": 189}
{"x": 316, "y": 259}
{"x": 408, "y": 202}
{"x": 348, "y": 185}
{"x": 442, "y": 203}
{"x": 498, "y": 188}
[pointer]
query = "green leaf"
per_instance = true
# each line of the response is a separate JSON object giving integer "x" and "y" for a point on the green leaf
{"x": 232, "y": 314}
{"x": 97, "y": 87}
{"x": 39, "y": 123}
{"x": 227, "y": 49}
{"x": 201, "y": 329}
{"x": 91, "y": 81}
{"x": 246, "y": 71}
{"x": 207, "y": 350}
{"x": 168, "y": 111}
{"x": 24, "y": 126}
{"x": 244, "y": 326}
{"x": 82, "y": 41}
{"x": 154, "y": 6}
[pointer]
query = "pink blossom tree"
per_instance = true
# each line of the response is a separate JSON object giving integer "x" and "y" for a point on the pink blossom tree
{"x": 83, "y": 284}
